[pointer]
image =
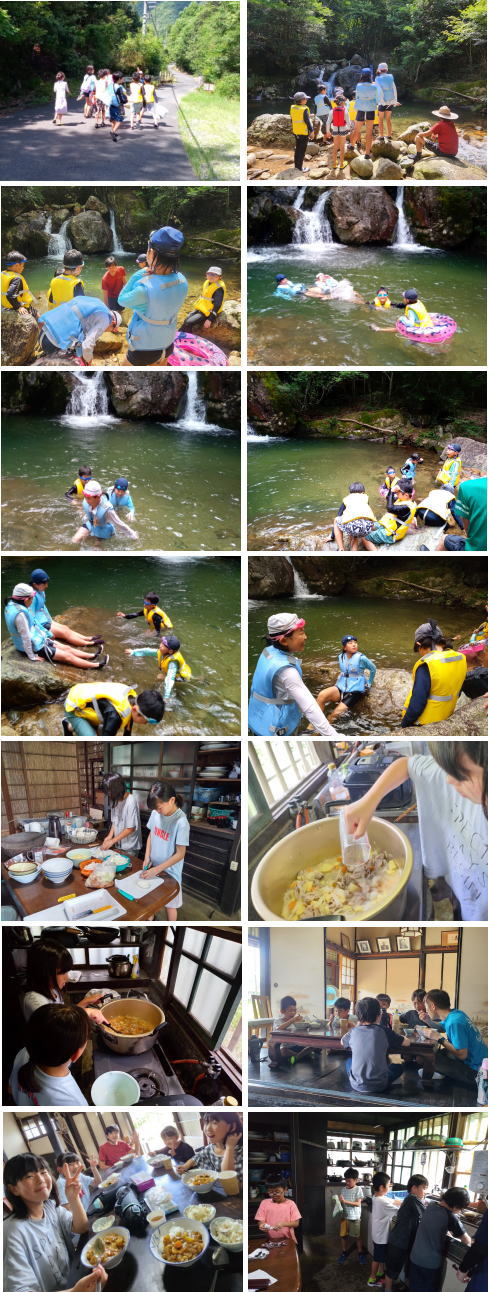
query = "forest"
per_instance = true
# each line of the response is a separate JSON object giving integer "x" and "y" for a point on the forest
{"x": 300, "y": 396}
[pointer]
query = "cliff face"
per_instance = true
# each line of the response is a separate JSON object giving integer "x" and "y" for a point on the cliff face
{"x": 441, "y": 217}
{"x": 459, "y": 582}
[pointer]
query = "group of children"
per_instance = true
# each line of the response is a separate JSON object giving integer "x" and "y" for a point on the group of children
{"x": 103, "y": 95}
{"x": 101, "y": 508}
{"x": 356, "y": 520}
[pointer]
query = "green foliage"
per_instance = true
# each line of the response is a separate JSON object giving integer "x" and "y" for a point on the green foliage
{"x": 210, "y": 130}
{"x": 142, "y": 51}
{"x": 445, "y": 396}
{"x": 70, "y": 36}
{"x": 205, "y": 39}
{"x": 230, "y": 85}
{"x": 469, "y": 25}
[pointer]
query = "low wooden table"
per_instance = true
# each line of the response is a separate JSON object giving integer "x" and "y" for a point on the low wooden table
{"x": 139, "y": 1271}
{"x": 29, "y": 898}
{"x": 417, "y": 1049}
{"x": 282, "y": 1263}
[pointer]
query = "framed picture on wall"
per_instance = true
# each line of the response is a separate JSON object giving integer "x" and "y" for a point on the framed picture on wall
{"x": 450, "y": 938}
{"x": 364, "y": 947}
{"x": 383, "y": 944}
{"x": 403, "y": 944}
{"x": 345, "y": 942}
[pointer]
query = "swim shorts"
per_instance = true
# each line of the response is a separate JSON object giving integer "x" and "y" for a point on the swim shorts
{"x": 364, "y": 116}
{"x": 116, "y": 114}
{"x": 340, "y": 130}
{"x": 351, "y": 699}
{"x": 386, "y": 107}
{"x": 48, "y": 651}
{"x": 141, "y": 358}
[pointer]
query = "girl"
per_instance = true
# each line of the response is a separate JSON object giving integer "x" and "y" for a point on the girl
{"x": 355, "y": 517}
{"x": 61, "y": 91}
{"x": 451, "y": 786}
{"x": 33, "y": 639}
{"x": 86, "y": 1182}
{"x": 279, "y": 698}
{"x": 100, "y": 518}
{"x": 366, "y": 101}
{"x": 223, "y": 1150}
{"x": 168, "y": 838}
{"x": 87, "y": 90}
{"x": 48, "y": 970}
{"x": 38, "y": 1236}
{"x": 155, "y": 298}
{"x": 124, "y": 813}
{"x": 57, "y": 1035}
{"x": 136, "y": 101}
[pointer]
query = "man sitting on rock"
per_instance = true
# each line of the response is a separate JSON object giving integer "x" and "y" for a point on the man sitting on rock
{"x": 74, "y": 327}
{"x": 446, "y": 143}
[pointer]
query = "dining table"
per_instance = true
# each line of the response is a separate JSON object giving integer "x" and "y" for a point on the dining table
{"x": 419, "y": 1048}
{"x": 30, "y": 898}
{"x": 282, "y": 1263}
{"x": 139, "y": 1270}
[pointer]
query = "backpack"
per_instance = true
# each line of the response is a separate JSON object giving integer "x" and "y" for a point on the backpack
{"x": 338, "y": 116}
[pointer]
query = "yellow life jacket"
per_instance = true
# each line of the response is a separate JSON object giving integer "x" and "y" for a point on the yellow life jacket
{"x": 205, "y": 301}
{"x": 390, "y": 482}
{"x": 135, "y": 92}
{"x": 164, "y": 661}
{"x": 25, "y": 296}
{"x": 438, "y": 501}
{"x": 357, "y": 508}
{"x": 62, "y": 288}
{"x": 352, "y": 109}
{"x": 480, "y": 634}
{"x": 422, "y": 317}
{"x": 149, "y": 92}
{"x": 382, "y": 305}
{"x": 82, "y": 699}
{"x": 149, "y": 617}
{"x": 80, "y": 487}
{"x": 447, "y": 669}
{"x": 448, "y": 476}
{"x": 297, "y": 114}
{"x": 397, "y": 527}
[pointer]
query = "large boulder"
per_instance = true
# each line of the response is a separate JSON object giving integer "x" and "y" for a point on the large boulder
{"x": 362, "y": 166}
{"x": 385, "y": 169}
{"x": 58, "y": 216}
{"x": 271, "y": 130}
{"x": 383, "y": 704}
{"x": 441, "y": 217}
{"x": 390, "y": 148}
{"x": 20, "y": 335}
{"x": 447, "y": 168}
{"x": 222, "y": 394}
{"x": 470, "y": 718}
{"x": 90, "y": 233}
{"x": 94, "y": 204}
{"x": 329, "y": 578}
{"x": 109, "y": 343}
{"x": 154, "y": 395}
{"x": 363, "y": 215}
{"x": 231, "y": 314}
{"x": 410, "y": 134}
{"x": 29, "y": 236}
{"x": 270, "y": 576}
{"x": 473, "y": 454}
{"x": 268, "y": 220}
{"x": 25, "y": 684}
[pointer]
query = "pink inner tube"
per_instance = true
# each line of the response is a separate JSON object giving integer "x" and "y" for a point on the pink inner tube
{"x": 444, "y": 327}
{"x": 192, "y": 351}
{"x": 473, "y": 648}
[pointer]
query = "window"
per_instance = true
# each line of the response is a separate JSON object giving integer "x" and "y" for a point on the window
{"x": 33, "y": 1128}
{"x": 347, "y": 976}
{"x": 202, "y": 972}
{"x": 280, "y": 766}
{"x": 475, "y": 1135}
{"x": 232, "y": 1041}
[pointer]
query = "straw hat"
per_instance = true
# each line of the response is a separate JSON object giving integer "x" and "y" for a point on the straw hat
{"x": 446, "y": 114}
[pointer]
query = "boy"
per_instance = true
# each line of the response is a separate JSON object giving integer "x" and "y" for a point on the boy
{"x": 418, "y": 1014}
{"x": 112, "y": 283}
{"x": 109, "y": 709}
{"x": 463, "y": 1048}
{"x": 176, "y": 1147}
{"x": 410, "y": 466}
{"x": 415, "y": 316}
{"x": 450, "y": 471}
{"x": 114, "y": 1147}
{"x": 68, "y": 284}
{"x": 302, "y": 127}
{"x": 368, "y": 1068}
{"x": 16, "y": 294}
{"x": 386, "y": 1019}
{"x": 154, "y": 616}
{"x": 171, "y": 662}
{"x": 428, "y": 1251}
{"x": 278, "y": 1215}
{"x": 340, "y": 1009}
{"x": 118, "y": 99}
{"x": 120, "y": 498}
{"x": 388, "y": 100}
{"x": 405, "y": 1229}
{"x": 78, "y": 488}
{"x": 398, "y": 519}
{"x": 350, "y": 1224}
{"x": 288, "y": 1015}
{"x": 285, "y": 287}
{"x": 209, "y": 305}
{"x": 383, "y": 1211}
{"x": 87, "y": 1182}
{"x": 56, "y": 1036}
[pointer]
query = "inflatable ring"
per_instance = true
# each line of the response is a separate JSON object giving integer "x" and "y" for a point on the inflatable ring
{"x": 192, "y": 351}
{"x": 444, "y": 327}
{"x": 473, "y": 648}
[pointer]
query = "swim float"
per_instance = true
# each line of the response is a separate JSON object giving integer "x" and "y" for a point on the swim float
{"x": 192, "y": 351}
{"x": 473, "y": 648}
{"x": 444, "y": 327}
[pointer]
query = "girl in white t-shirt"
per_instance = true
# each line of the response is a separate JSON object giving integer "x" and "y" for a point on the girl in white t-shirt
{"x": 168, "y": 838}
{"x": 57, "y": 1036}
{"x": 38, "y": 1235}
{"x": 61, "y": 91}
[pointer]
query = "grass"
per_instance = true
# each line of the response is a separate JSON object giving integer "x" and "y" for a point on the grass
{"x": 210, "y": 130}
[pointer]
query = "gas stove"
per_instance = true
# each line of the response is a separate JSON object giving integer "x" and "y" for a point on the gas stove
{"x": 152, "y": 1070}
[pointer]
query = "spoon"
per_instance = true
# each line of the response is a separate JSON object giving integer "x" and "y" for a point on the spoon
{"x": 220, "y": 1258}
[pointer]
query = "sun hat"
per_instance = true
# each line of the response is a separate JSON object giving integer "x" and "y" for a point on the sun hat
{"x": 92, "y": 489}
{"x": 445, "y": 113}
{"x": 300, "y": 94}
{"x": 382, "y": 67}
{"x": 214, "y": 269}
{"x": 282, "y": 624}
{"x": 21, "y": 591}
{"x": 121, "y": 483}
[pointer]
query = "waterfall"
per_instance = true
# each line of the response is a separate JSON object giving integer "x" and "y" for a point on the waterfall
{"x": 88, "y": 402}
{"x": 117, "y": 247}
{"x": 58, "y": 242}
{"x": 300, "y": 589}
{"x": 193, "y": 416}
{"x": 403, "y": 236}
{"x": 312, "y": 227}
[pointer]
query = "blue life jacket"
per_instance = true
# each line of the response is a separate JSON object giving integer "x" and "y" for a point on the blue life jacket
{"x": 289, "y": 292}
{"x": 351, "y": 677}
{"x": 38, "y": 634}
{"x": 64, "y": 324}
{"x": 266, "y": 715}
{"x": 39, "y": 609}
{"x": 98, "y": 524}
{"x": 118, "y": 503}
{"x": 387, "y": 87}
{"x": 157, "y": 329}
{"x": 367, "y": 96}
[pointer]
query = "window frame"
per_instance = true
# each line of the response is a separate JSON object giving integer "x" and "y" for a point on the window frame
{"x": 269, "y": 816}
{"x": 212, "y": 1039}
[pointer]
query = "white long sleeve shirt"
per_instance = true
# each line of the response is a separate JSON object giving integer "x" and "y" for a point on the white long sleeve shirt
{"x": 288, "y": 685}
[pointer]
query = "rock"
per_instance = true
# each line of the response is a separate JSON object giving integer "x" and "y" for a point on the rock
{"x": 383, "y": 703}
{"x": 155, "y": 395}
{"x": 270, "y": 576}
{"x": 271, "y": 129}
{"x": 290, "y": 172}
{"x": 89, "y": 232}
{"x": 319, "y": 173}
{"x": 439, "y": 215}
{"x": 109, "y": 343}
{"x": 222, "y": 394}
{"x": 329, "y": 578}
{"x": 25, "y": 684}
{"x": 447, "y": 168}
{"x": 363, "y": 215}
{"x": 94, "y": 204}
{"x": 20, "y": 335}
{"x": 385, "y": 169}
{"x": 389, "y": 148}
{"x": 58, "y": 216}
{"x": 411, "y": 133}
{"x": 251, "y": 158}
{"x": 470, "y": 718}
{"x": 23, "y": 392}
{"x": 473, "y": 454}
{"x": 362, "y": 167}
{"x": 29, "y": 237}
{"x": 231, "y": 314}
{"x": 313, "y": 150}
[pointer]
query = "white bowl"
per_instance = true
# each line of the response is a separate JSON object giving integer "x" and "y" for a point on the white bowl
{"x": 114, "y": 1260}
{"x": 115, "y": 1090}
{"x": 103, "y": 1223}
{"x": 223, "y": 1242}
{"x": 189, "y": 1177}
{"x": 27, "y": 878}
{"x": 83, "y": 836}
{"x": 180, "y": 1224}
{"x": 211, "y": 1209}
{"x": 156, "y": 1218}
{"x": 57, "y": 869}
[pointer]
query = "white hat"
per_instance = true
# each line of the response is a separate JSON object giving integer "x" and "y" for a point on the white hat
{"x": 446, "y": 114}
{"x": 279, "y": 625}
{"x": 214, "y": 269}
{"x": 22, "y": 590}
{"x": 117, "y": 317}
{"x": 92, "y": 488}
{"x": 382, "y": 67}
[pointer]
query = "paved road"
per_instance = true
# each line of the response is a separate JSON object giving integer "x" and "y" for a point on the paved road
{"x": 32, "y": 148}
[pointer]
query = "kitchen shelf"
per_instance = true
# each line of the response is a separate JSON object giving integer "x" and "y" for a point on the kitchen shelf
{"x": 213, "y": 829}
{"x": 219, "y": 780}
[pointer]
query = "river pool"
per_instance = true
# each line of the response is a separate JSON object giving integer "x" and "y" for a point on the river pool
{"x": 40, "y": 272}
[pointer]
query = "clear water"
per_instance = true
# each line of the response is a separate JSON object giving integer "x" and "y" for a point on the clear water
{"x": 185, "y": 482}
{"x": 40, "y": 272}
{"x": 202, "y": 597}
{"x": 310, "y": 332}
{"x": 299, "y": 483}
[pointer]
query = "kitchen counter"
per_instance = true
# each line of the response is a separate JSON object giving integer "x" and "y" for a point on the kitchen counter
{"x": 282, "y": 1263}
{"x": 29, "y": 898}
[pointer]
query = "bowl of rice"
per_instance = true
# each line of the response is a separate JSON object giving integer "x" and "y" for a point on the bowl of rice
{"x": 228, "y": 1233}
{"x": 200, "y": 1180}
{"x": 200, "y": 1211}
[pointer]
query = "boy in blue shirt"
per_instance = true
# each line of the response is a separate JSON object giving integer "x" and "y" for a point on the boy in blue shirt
{"x": 463, "y": 1048}
{"x": 388, "y": 100}
{"x": 120, "y": 497}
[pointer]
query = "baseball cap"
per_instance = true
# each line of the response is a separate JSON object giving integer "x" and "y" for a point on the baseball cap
{"x": 173, "y": 643}
{"x": 280, "y": 625}
{"x": 121, "y": 483}
{"x": 300, "y": 94}
{"x": 166, "y": 239}
{"x": 39, "y": 576}
{"x": 456, "y": 448}
{"x": 141, "y": 259}
{"x": 280, "y": 278}
{"x": 350, "y": 637}
{"x": 214, "y": 269}
{"x": 382, "y": 67}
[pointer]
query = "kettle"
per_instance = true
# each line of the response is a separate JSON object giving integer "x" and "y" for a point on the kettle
{"x": 54, "y": 830}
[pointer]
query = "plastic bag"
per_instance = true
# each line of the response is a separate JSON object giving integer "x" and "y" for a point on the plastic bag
{"x": 102, "y": 874}
{"x": 337, "y": 1204}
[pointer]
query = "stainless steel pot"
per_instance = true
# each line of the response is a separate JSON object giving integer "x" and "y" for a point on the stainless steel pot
{"x": 120, "y": 966}
{"x": 143, "y": 1010}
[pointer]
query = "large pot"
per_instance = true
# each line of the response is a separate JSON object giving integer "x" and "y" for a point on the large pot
{"x": 308, "y": 846}
{"x": 143, "y": 1010}
{"x": 120, "y": 966}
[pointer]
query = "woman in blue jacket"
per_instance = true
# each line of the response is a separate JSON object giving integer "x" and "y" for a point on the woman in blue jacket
{"x": 352, "y": 683}
{"x": 155, "y": 296}
{"x": 366, "y": 101}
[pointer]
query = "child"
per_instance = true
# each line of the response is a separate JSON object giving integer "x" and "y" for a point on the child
{"x": 418, "y": 1014}
{"x": 284, "y": 287}
{"x": 155, "y": 617}
{"x": 16, "y": 294}
{"x": 77, "y": 489}
{"x": 368, "y": 1068}
{"x": 354, "y": 518}
{"x": 171, "y": 662}
{"x": 288, "y": 1015}
{"x": 223, "y": 1150}
{"x": 366, "y": 101}
{"x": 277, "y": 1215}
{"x": 463, "y": 1047}
{"x": 67, "y": 284}
{"x": 302, "y": 127}
{"x": 447, "y": 142}
{"x": 350, "y": 1224}
{"x": 167, "y": 840}
{"x": 86, "y": 1182}
{"x": 136, "y": 101}
{"x": 398, "y": 519}
{"x": 352, "y": 683}
{"x": 338, "y": 125}
{"x": 87, "y": 90}
{"x": 390, "y": 482}
{"x": 388, "y": 100}
{"x": 109, "y": 710}
{"x": 405, "y": 1229}
{"x": 176, "y": 1147}
{"x": 427, "y": 1255}
{"x": 56, "y": 1036}
{"x": 61, "y": 91}
{"x": 410, "y": 465}
{"x": 120, "y": 497}
{"x": 450, "y": 471}
{"x": 209, "y": 305}
{"x": 383, "y": 1211}
{"x": 39, "y": 1234}
{"x": 323, "y": 286}
{"x": 117, "y": 100}
{"x": 151, "y": 101}
{"x": 112, "y": 283}
{"x": 340, "y": 1009}
{"x": 101, "y": 96}
{"x": 100, "y": 517}
{"x": 386, "y": 1019}
{"x": 415, "y": 316}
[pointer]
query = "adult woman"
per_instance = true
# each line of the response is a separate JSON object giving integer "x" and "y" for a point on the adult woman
{"x": 437, "y": 678}
{"x": 223, "y": 1150}
{"x": 38, "y": 1236}
{"x": 48, "y": 970}
{"x": 366, "y": 102}
{"x": 279, "y": 698}
{"x": 124, "y": 814}
{"x": 155, "y": 296}
{"x": 168, "y": 839}
{"x": 34, "y": 640}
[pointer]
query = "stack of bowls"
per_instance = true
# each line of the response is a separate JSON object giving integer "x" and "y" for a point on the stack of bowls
{"x": 57, "y": 869}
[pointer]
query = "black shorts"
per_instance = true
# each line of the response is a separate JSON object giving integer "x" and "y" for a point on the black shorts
{"x": 386, "y": 107}
{"x": 352, "y": 698}
{"x": 395, "y": 1260}
{"x": 48, "y": 651}
{"x": 116, "y": 113}
{"x": 434, "y": 148}
{"x": 364, "y": 116}
{"x": 113, "y": 303}
{"x": 379, "y": 1252}
{"x": 140, "y": 358}
{"x": 47, "y": 346}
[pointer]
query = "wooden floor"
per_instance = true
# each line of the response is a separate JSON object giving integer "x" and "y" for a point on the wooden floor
{"x": 312, "y": 1084}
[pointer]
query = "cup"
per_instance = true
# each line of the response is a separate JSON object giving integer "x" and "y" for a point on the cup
{"x": 115, "y": 1090}
{"x": 167, "y": 1163}
{"x": 230, "y": 1182}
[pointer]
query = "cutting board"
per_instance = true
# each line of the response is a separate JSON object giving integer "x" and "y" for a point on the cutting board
{"x": 135, "y": 887}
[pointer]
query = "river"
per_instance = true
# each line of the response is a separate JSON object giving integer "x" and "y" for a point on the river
{"x": 202, "y": 596}
{"x": 40, "y": 272}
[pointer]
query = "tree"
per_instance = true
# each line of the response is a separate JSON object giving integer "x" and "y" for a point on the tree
{"x": 142, "y": 51}
{"x": 205, "y": 40}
